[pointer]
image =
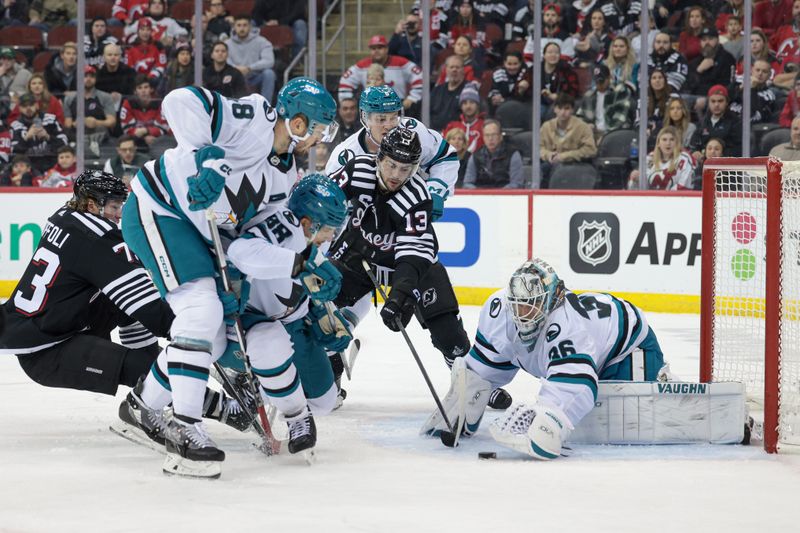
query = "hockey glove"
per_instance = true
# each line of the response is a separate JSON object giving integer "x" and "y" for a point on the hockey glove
{"x": 438, "y": 206}
{"x": 464, "y": 404}
{"x": 232, "y": 304}
{"x": 319, "y": 277}
{"x": 207, "y": 186}
{"x": 399, "y": 306}
{"x": 535, "y": 430}
{"x": 330, "y": 330}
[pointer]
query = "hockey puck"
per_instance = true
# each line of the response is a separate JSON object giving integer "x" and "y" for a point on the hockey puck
{"x": 487, "y": 455}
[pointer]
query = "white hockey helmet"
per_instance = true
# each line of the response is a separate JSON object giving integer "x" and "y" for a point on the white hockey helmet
{"x": 533, "y": 292}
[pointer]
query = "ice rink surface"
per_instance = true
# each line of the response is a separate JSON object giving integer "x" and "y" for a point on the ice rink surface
{"x": 62, "y": 470}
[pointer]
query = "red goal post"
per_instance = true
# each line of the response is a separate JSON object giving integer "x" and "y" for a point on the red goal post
{"x": 750, "y": 287}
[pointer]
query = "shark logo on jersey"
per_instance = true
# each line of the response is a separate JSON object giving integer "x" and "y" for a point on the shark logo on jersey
{"x": 594, "y": 242}
{"x": 244, "y": 204}
{"x": 494, "y": 307}
{"x": 429, "y": 297}
{"x": 294, "y": 299}
{"x": 552, "y": 332}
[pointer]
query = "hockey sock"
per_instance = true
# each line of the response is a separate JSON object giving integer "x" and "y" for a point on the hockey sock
{"x": 213, "y": 404}
{"x": 157, "y": 393}
{"x": 188, "y": 377}
{"x": 281, "y": 385}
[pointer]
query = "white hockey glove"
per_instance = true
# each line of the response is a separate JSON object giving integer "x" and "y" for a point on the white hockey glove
{"x": 534, "y": 430}
{"x": 466, "y": 400}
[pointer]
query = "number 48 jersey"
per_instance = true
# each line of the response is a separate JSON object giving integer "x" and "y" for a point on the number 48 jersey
{"x": 79, "y": 256}
{"x": 583, "y": 336}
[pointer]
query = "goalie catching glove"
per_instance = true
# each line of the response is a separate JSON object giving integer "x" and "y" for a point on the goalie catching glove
{"x": 329, "y": 329}
{"x": 207, "y": 186}
{"x": 466, "y": 401}
{"x": 321, "y": 280}
{"x": 534, "y": 430}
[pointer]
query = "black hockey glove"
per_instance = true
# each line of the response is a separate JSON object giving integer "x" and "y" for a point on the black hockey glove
{"x": 399, "y": 307}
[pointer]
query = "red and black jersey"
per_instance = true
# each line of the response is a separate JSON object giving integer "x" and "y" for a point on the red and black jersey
{"x": 147, "y": 58}
{"x": 134, "y": 114}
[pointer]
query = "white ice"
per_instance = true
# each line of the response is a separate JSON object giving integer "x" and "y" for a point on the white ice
{"x": 62, "y": 470}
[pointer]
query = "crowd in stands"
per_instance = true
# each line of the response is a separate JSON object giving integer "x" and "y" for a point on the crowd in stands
{"x": 481, "y": 96}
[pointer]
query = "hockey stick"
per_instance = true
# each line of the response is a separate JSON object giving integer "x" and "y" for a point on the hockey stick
{"x": 410, "y": 346}
{"x": 272, "y": 445}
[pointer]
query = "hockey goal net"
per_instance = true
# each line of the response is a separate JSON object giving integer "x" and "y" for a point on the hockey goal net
{"x": 750, "y": 295}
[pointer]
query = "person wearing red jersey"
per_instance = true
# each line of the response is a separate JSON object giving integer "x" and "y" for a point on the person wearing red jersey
{"x": 141, "y": 116}
{"x": 146, "y": 56}
{"x": 127, "y": 11}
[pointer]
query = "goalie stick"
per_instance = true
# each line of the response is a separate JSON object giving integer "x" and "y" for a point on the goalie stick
{"x": 410, "y": 347}
{"x": 271, "y": 444}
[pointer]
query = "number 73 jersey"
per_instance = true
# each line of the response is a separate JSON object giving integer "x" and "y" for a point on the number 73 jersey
{"x": 586, "y": 334}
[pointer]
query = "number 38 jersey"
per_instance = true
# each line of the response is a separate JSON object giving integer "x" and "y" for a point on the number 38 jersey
{"x": 79, "y": 256}
{"x": 582, "y": 337}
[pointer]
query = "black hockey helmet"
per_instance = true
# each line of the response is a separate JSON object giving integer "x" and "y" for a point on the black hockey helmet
{"x": 100, "y": 187}
{"x": 402, "y": 145}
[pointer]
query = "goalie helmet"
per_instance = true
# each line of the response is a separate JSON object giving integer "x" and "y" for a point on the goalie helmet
{"x": 534, "y": 291}
{"x": 311, "y": 99}
{"x": 319, "y": 199}
{"x": 99, "y": 187}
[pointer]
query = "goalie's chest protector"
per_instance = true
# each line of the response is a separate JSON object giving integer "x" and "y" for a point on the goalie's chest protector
{"x": 279, "y": 299}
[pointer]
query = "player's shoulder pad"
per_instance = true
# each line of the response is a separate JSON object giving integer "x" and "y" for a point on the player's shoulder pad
{"x": 493, "y": 307}
{"x": 92, "y": 225}
{"x": 411, "y": 197}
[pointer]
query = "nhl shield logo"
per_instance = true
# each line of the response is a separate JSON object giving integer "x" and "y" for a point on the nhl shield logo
{"x": 594, "y": 242}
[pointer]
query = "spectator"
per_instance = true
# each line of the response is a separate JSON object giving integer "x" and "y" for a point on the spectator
{"x": 126, "y": 12}
{"x": 564, "y": 139}
{"x": 13, "y": 79}
{"x": 19, "y": 173}
{"x": 376, "y": 75}
{"x": 622, "y": 15}
{"x": 44, "y": 100}
{"x": 789, "y": 151}
{"x": 557, "y": 77}
{"x": 219, "y": 21}
{"x": 552, "y": 32}
{"x": 456, "y": 138}
{"x": 95, "y": 42}
{"x": 348, "y": 120}
{"x": 759, "y": 49}
{"x": 407, "y": 41}
{"x": 444, "y": 98}
{"x": 471, "y": 119}
{"x": 494, "y": 11}
{"x": 36, "y": 134}
{"x": 677, "y": 116}
{"x": 45, "y": 14}
{"x": 99, "y": 112}
{"x": 733, "y": 40}
{"x": 714, "y": 148}
{"x": 714, "y": 66}
{"x": 140, "y": 115}
{"x": 285, "y": 13}
{"x": 622, "y": 63}
{"x": 164, "y": 29}
{"x": 511, "y": 81}
{"x": 658, "y": 93}
{"x": 668, "y": 167}
{"x": 523, "y": 21}
{"x": 580, "y": 13}
{"x": 730, "y": 7}
{"x": 762, "y": 99}
{"x": 689, "y": 40}
{"x": 146, "y": 55}
{"x": 14, "y": 13}
{"x": 670, "y": 62}
{"x": 127, "y": 162}
{"x": 785, "y": 39}
{"x": 180, "y": 70}
{"x": 495, "y": 165}
{"x": 115, "y": 77}
{"x": 792, "y": 107}
{"x": 594, "y": 42}
{"x": 769, "y": 15}
{"x": 473, "y": 58}
{"x": 404, "y": 76}
{"x": 252, "y": 55}
{"x": 605, "y": 107}
{"x": 219, "y": 76}
{"x": 465, "y": 21}
{"x": 63, "y": 173}
{"x": 5, "y": 145}
{"x": 720, "y": 122}
{"x": 61, "y": 70}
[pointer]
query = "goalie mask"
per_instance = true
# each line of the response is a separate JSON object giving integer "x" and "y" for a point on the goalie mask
{"x": 379, "y": 109}
{"x": 398, "y": 158}
{"x": 320, "y": 200}
{"x": 533, "y": 292}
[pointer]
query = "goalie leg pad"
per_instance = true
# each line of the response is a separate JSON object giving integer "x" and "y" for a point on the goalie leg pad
{"x": 476, "y": 395}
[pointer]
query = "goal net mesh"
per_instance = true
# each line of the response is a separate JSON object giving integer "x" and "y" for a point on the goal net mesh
{"x": 740, "y": 216}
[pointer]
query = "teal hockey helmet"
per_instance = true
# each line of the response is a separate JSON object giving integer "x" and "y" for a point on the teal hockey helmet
{"x": 320, "y": 199}
{"x": 310, "y": 98}
{"x": 534, "y": 291}
{"x": 379, "y": 99}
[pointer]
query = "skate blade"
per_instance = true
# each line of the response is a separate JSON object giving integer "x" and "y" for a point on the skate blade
{"x": 131, "y": 435}
{"x": 309, "y": 456}
{"x": 175, "y": 465}
{"x": 270, "y": 449}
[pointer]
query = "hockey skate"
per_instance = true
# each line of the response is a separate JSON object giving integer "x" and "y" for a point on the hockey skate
{"x": 302, "y": 434}
{"x": 191, "y": 452}
{"x": 500, "y": 399}
{"x": 139, "y": 423}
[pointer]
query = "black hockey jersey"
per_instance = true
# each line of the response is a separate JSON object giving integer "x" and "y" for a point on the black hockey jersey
{"x": 81, "y": 257}
{"x": 387, "y": 228}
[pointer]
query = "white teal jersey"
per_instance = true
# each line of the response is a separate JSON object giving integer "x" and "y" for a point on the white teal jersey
{"x": 243, "y": 128}
{"x": 584, "y": 335}
{"x": 266, "y": 253}
{"x": 438, "y": 163}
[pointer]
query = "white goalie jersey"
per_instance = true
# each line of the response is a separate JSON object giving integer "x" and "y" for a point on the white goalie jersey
{"x": 438, "y": 163}
{"x": 583, "y": 336}
{"x": 243, "y": 128}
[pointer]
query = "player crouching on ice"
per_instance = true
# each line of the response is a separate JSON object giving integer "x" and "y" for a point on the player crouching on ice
{"x": 589, "y": 350}
{"x": 288, "y": 331}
